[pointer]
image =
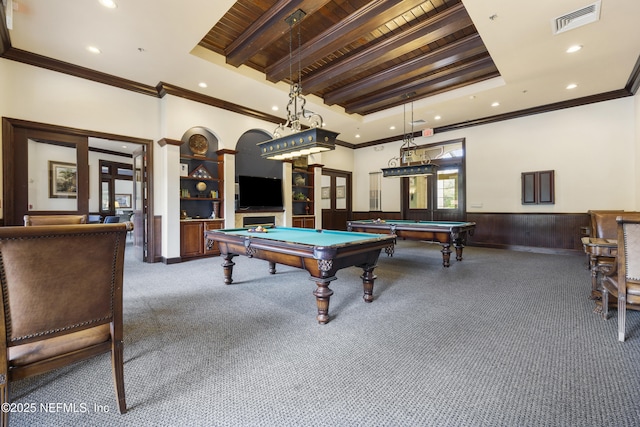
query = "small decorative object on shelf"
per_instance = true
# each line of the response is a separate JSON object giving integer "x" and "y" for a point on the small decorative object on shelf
{"x": 298, "y": 196}
{"x": 299, "y": 180}
{"x": 201, "y": 172}
{"x": 215, "y": 209}
{"x": 201, "y": 187}
{"x": 198, "y": 144}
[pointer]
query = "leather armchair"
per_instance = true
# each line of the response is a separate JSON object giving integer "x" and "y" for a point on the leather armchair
{"x": 61, "y": 300}
{"x": 54, "y": 219}
{"x": 623, "y": 282}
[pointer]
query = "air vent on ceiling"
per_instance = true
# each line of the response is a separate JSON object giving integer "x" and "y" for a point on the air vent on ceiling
{"x": 577, "y": 18}
{"x": 417, "y": 122}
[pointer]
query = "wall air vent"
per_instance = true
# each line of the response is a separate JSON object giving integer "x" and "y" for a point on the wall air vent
{"x": 577, "y": 18}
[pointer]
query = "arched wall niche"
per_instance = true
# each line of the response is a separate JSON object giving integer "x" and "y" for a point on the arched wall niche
{"x": 248, "y": 159}
{"x": 212, "y": 139}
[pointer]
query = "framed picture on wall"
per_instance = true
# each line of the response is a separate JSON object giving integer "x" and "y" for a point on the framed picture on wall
{"x": 341, "y": 192}
{"x": 63, "y": 180}
{"x": 325, "y": 192}
{"x": 123, "y": 200}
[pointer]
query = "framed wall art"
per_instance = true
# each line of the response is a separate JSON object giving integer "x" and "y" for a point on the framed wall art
{"x": 123, "y": 200}
{"x": 63, "y": 180}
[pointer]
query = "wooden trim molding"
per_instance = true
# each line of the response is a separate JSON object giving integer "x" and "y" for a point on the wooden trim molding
{"x": 77, "y": 71}
{"x": 8, "y": 52}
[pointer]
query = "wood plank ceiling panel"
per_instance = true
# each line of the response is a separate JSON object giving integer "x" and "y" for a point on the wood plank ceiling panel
{"x": 365, "y": 55}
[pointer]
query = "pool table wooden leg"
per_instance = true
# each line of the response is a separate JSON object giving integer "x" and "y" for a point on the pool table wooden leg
{"x": 367, "y": 282}
{"x": 459, "y": 247}
{"x": 446, "y": 254}
{"x": 272, "y": 267}
{"x": 323, "y": 294}
{"x": 227, "y": 267}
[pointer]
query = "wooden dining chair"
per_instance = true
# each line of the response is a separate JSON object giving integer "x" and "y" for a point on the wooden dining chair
{"x": 61, "y": 300}
{"x": 623, "y": 282}
{"x": 54, "y": 219}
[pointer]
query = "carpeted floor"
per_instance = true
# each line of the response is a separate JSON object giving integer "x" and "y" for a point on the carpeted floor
{"x": 500, "y": 339}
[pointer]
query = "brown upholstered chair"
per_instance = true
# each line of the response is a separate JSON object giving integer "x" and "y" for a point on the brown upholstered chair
{"x": 623, "y": 282}
{"x": 603, "y": 223}
{"x": 61, "y": 300}
{"x": 54, "y": 219}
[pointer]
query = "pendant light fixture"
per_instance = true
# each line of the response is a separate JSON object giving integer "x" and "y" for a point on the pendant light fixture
{"x": 404, "y": 164}
{"x": 289, "y": 140}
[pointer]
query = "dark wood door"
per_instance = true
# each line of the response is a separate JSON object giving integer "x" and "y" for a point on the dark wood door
{"x": 336, "y": 199}
{"x": 45, "y": 172}
{"x": 140, "y": 206}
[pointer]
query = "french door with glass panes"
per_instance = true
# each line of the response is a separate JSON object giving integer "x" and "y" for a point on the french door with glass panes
{"x": 437, "y": 197}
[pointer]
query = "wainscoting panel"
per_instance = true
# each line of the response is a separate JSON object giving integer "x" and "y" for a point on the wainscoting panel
{"x": 551, "y": 232}
{"x": 536, "y": 232}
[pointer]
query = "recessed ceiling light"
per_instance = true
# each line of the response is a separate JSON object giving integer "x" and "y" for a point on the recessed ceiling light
{"x": 108, "y": 3}
{"x": 574, "y": 48}
{"x": 357, "y": 135}
{"x": 572, "y": 86}
{"x": 202, "y": 84}
{"x": 392, "y": 127}
{"x": 495, "y": 104}
{"x": 274, "y": 108}
{"x": 437, "y": 117}
{"x": 93, "y": 49}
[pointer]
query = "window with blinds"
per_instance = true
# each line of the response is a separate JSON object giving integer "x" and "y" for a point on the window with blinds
{"x": 375, "y": 191}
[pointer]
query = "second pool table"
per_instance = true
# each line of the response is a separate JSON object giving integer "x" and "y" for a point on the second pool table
{"x": 321, "y": 252}
{"x": 443, "y": 232}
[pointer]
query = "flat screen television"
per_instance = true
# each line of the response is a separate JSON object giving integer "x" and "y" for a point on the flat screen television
{"x": 259, "y": 192}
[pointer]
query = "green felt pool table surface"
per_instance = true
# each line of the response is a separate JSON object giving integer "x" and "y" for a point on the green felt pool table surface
{"x": 443, "y": 224}
{"x": 446, "y": 233}
{"x": 305, "y": 236}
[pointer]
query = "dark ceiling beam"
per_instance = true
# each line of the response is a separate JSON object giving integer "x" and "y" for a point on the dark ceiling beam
{"x": 268, "y": 28}
{"x": 445, "y": 80}
{"x": 431, "y": 30}
{"x": 449, "y": 54}
{"x": 365, "y": 20}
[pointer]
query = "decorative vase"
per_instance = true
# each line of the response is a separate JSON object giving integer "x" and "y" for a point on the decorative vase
{"x": 215, "y": 209}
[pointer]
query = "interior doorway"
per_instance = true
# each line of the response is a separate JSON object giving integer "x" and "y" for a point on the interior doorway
{"x": 47, "y": 170}
{"x": 336, "y": 199}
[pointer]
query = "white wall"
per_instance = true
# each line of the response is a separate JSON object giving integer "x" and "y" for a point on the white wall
{"x": 589, "y": 147}
{"x": 43, "y": 96}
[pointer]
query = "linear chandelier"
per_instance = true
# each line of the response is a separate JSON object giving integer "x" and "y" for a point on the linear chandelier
{"x": 297, "y": 143}
{"x": 401, "y": 166}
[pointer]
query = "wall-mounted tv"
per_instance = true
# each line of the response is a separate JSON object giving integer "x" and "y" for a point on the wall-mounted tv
{"x": 259, "y": 192}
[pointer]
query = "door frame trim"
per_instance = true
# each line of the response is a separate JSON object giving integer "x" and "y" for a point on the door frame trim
{"x": 9, "y": 128}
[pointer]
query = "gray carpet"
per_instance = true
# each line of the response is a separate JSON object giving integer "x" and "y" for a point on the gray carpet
{"x": 500, "y": 339}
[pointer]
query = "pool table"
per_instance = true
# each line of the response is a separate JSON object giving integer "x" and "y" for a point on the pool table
{"x": 443, "y": 232}
{"x": 321, "y": 252}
